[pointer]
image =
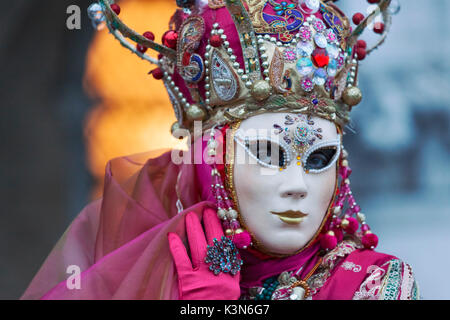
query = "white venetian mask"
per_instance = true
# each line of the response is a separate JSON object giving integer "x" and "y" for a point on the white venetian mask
{"x": 285, "y": 177}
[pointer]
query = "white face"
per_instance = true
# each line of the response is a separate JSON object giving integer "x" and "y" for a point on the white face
{"x": 283, "y": 209}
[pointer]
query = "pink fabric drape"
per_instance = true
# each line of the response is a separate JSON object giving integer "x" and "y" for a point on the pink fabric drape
{"x": 120, "y": 241}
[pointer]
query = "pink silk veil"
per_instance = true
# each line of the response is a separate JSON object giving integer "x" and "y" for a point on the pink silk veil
{"x": 120, "y": 241}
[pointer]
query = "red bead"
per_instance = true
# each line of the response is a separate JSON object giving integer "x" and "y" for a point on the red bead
{"x": 160, "y": 56}
{"x": 361, "y": 44}
{"x": 142, "y": 49}
{"x": 215, "y": 40}
{"x": 357, "y": 18}
{"x": 361, "y": 52}
{"x": 170, "y": 38}
{"x": 157, "y": 73}
{"x": 149, "y": 35}
{"x": 378, "y": 27}
{"x": 373, "y": 1}
{"x": 115, "y": 8}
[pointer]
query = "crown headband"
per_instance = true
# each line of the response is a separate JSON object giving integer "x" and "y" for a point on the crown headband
{"x": 226, "y": 60}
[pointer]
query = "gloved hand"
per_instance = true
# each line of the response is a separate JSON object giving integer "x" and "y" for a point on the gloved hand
{"x": 195, "y": 280}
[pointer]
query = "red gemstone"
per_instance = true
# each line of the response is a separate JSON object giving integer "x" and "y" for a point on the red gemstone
{"x": 142, "y": 49}
{"x": 149, "y": 35}
{"x": 378, "y": 27}
{"x": 215, "y": 40}
{"x": 157, "y": 73}
{"x": 186, "y": 58}
{"x": 357, "y": 18}
{"x": 115, "y": 8}
{"x": 320, "y": 57}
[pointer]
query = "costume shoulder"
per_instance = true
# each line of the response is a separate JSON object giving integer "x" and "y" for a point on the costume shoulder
{"x": 393, "y": 280}
{"x": 351, "y": 272}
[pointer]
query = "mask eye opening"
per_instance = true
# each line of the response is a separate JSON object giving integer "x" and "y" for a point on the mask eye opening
{"x": 334, "y": 144}
{"x": 246, "y": 143}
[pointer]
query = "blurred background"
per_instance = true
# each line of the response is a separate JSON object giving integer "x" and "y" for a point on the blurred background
{"x": 73, "y": 99}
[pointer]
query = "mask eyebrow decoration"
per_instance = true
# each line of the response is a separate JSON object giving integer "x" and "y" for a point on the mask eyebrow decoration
{"x": 269, "y": 152}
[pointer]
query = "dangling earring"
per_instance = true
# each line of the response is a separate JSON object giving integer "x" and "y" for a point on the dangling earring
{"x": 225, "y": 211}
{"x": 349, "y": 220}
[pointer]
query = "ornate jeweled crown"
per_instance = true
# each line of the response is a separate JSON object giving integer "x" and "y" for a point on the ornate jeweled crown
{"x": 226, "y": 60}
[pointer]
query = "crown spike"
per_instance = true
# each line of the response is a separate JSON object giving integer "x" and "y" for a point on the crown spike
{"x": 121, "y": 32}
{"x": 247, "y": 37}
{"x": 383, "y": 6}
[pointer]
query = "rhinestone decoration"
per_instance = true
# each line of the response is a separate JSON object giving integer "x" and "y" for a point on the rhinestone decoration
{"x": 306, "y": 135}
{"x": 319, "y": 25}
{"x": 305, "y": 66}
{"x": 333, "y": 51}
{"x": 303, "y": 135}
{"x": 307, "y": 84}
{"x": 305, "y": 49}
{"x": 320, "y": 77}
{"x": 332, "y": 68}
{"x": 320, "y": 40}
{"x": 223, "y": 257}
{"x": 224, "y": 81}
{"x": 320, "y": 56}
{"x": 330, "y": 35}
{"x": 97, "y": 16}
{"x": 305, "y": 33}
{"x": 289, "y": 55}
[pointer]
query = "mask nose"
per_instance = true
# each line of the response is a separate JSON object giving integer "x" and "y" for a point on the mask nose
{"x": 294, "y": 185}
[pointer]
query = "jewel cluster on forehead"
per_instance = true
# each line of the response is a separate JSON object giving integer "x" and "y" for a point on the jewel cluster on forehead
{"x": 303, "y": 135}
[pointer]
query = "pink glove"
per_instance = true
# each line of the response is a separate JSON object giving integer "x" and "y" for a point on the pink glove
{"x": 195, "y": 280}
